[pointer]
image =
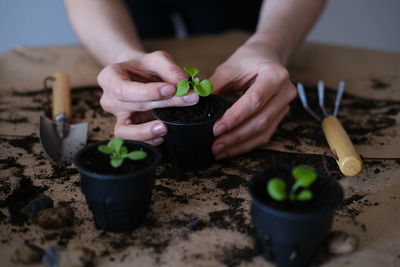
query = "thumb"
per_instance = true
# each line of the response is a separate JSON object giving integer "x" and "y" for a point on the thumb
{"x": 221, "y": 80}
{"x": 165, "y": 67}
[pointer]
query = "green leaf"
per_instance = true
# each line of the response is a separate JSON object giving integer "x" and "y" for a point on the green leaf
{"x": 277, "y": 189}
{"x": 200, "y": 90}
{"x": 105, "y": 149}
{"x": 304, "y": 176}
{"x": 305, "y": 195}
{"x": 191, "y": 71}
{"x": 182, "y": 88}
{"x": 137, "y": 155}
{"x": 123, "y": 152}
{"x": 207, "y": 85}
{"x": 116, "y": 162}
{"x": 196, "y": 80}
{"x": 116, "y": 144}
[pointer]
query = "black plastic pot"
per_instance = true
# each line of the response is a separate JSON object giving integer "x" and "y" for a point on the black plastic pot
{"x": 289, "y": 238}
{"x": 119, "y": 202}
{"x": 188, "y": 145}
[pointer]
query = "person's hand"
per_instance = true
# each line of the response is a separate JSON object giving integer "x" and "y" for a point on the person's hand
{"x": 133, "y": 88}
{"x": 253, "y": 118}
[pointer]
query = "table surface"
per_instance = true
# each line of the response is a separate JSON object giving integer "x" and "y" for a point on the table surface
{"x": 216, "y": 198}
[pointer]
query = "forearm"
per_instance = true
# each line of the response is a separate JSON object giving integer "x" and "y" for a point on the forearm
{"x": 284, "y": 23}
{"x": 105, "y": 28}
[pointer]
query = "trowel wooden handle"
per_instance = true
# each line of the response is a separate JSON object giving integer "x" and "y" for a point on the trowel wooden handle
{"x": 350, "y": 163}
{"x": 61, "y": 95}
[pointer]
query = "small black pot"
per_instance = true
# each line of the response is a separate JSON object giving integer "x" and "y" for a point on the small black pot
{"x": 188, "y": 145}
{"x": 291, "y": 238}
{"x": 119, "y": 201}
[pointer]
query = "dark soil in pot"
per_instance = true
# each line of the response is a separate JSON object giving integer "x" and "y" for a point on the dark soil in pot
{"x": 190, "y": 132}
{"x": 118, "y": 197}
{"x": 208, "y": 108}
{"x": 289, "y": 233}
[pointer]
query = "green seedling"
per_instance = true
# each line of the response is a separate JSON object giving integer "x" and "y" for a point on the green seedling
{"x": 304, "y": 177}
{"x": 118, "y": 153}
{"x": 202, "y": 88}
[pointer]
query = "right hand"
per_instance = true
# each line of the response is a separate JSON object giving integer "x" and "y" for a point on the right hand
{"x": 131, "y": 89}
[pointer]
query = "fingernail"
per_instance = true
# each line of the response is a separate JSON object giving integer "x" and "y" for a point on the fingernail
{"x": 191, "y": 98}
{"x": 220, "y": 156}
{"x": 157, "y": 140}
{"x": 220, "y": 129}
{"x": 168, "y": 90}
{"x": 218, "y": 148}
{"x": 159, "y": 129}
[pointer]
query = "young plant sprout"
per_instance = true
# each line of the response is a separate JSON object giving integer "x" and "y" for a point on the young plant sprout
{"x": 118, "y": 152}
{"x": 304, "y": 177}
{"x": 202, "y": 88}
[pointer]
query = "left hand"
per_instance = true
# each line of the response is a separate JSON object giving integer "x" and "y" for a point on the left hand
{"x": 251, "y": 121}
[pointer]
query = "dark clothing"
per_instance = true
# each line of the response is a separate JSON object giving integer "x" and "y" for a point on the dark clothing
{"x": 153, "y": 17}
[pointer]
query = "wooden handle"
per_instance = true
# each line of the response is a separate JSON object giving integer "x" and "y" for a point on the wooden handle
{"x": 350, "y": 163}
{"x": 61, "y": 95}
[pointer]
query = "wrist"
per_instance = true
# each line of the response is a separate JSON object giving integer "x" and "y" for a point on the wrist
{"x": 126, "y": 54}
{"x": 273, "y": 43}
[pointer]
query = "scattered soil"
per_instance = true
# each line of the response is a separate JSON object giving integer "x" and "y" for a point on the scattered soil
{"x": 17, "y": 200}
{"x": 231, "y": 181}
{"x": 354, "y": 205}
{"x": 378, "y": 84}
{"x": 169, "y": 193}
{"x": 353, "y": 199}
{"x": 234, "y": 256}
{"x": 208, "y": 108}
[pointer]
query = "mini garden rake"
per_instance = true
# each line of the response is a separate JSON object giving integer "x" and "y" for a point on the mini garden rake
{"x": 350, "y": 163}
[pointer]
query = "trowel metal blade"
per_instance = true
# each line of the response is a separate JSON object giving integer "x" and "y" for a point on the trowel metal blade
{"x": 62, "y": 150}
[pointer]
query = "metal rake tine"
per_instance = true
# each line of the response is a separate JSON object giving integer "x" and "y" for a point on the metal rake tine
{"x": 321, "y": 92}
{"x": 303, "y": 99}
{"x": 339, "y": 96}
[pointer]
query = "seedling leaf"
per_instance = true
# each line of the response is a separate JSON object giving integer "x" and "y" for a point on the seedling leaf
{"x": 304, "y": 176}
{"x": 118, "y": 152}
{"x": 277, "y": 189}
{"x": 137, "y": 155}
{"x": 182, "y": 88}
{"x": 191, "y": 71}
{"x": 123, "y": 153}
{"x": 196, "y": 80}
{"x": 200, "y": 90}
{"x": 116, "y": 144}
{"x": 105, "y": 149}
{"x": 305, "y": 195}
{"x": 116, "y": 162}
{"x": 207, "y": 86}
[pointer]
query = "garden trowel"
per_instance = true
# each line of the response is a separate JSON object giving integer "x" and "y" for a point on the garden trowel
{"x": 60, "y": 139}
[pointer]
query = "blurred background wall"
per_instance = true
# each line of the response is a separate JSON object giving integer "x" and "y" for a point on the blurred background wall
{"x": 373, "y": 24}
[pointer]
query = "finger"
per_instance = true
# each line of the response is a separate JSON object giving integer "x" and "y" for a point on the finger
{"x": 187, "y": 100}
{"x": 140, "y": 132}
{"x": 257, "y": 125}
{"x": 155, "y": 142}
{"x": 116, "y": 79}
{"x": 255, "y": 97}
{"x": 161, "y": 63}
{"x": 221, "y": 79}
{"x": 252, "y": 142}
